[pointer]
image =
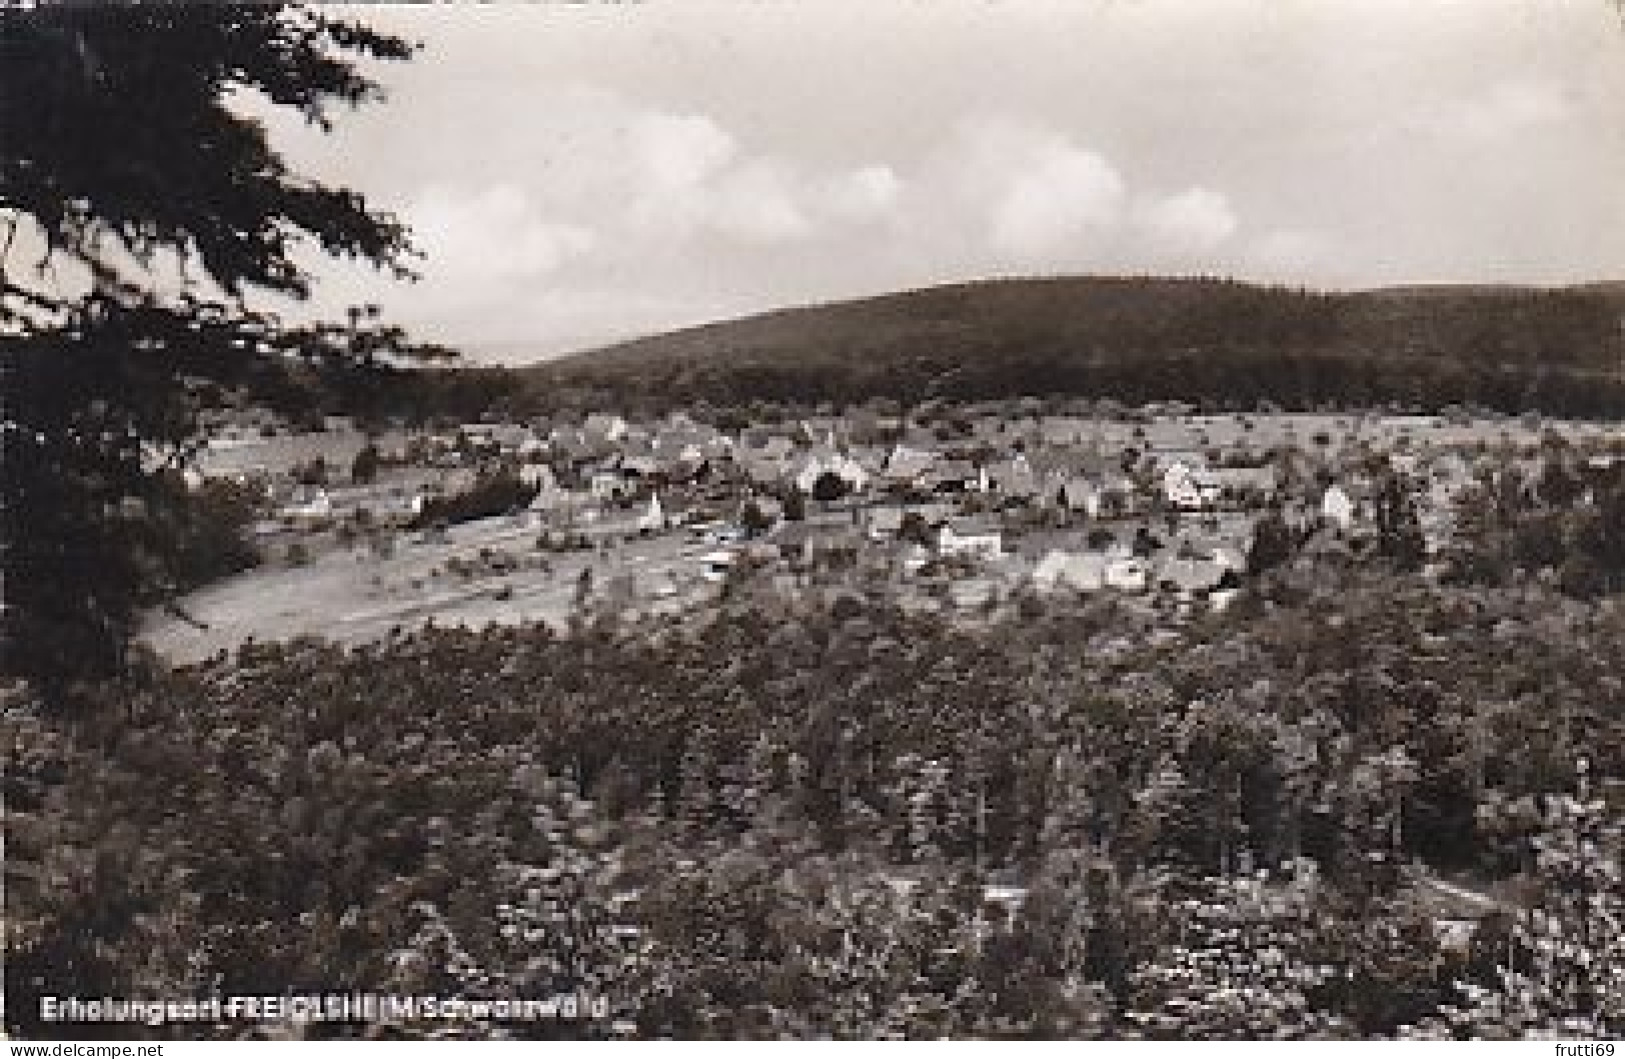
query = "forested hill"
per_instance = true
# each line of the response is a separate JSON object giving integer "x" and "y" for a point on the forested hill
{"x": 1219, "y": 341}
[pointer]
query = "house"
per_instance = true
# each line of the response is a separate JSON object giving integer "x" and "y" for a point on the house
{"x": 640, "y": 465}
{"x": 1337, "y": 507}
{"x": 538, "y": 475}
{"x": 774, "y": 447}
{"x": 1128, "y": 575}
{"x": 768, "y": 507}
{"x": 497, "y": 437}
{"x": 602, "y": 428}
{"x": 1075, "y": 493}
{"x": 458, "y": 480}
{"x": 1405, "y": 462}
{"x": 568, "y": 444}
{"x": 972, "y": 592}
{"x": 652, "y": 520}
{"x": 823, "y": 461}
{"x": 1326, "y": 548}
{"x": 1080, "y": 572}
{"x": 969, "y": 538}
{"x": 883, "y": 522}
{"x": 1189, "y": 488}
{"x": 688, "y": 463}
{"x": 309, "y": 504}
{"x": 549, "y": 498}
{"x": 906, "y": 466}
{"x": 914, "y": 558}
{"x": 715, "y": 565}
{"x": 1014, "y": 478}
{"x": 951, "y": 476}
{"x": 1191, "y": 577}
{"x": 679, "y": 432}
{"x": 794, "y": 540}
{"x": 1246, "y": 486}
{"x": 604, "y": 485}
{"x": 760, "y": 470}
{"x": 1063, "y": 430}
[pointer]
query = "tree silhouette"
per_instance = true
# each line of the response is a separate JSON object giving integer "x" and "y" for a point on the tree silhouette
{"x": 364, "y": 468}
{"x": 139, "y": 205}
{"x": 1399, "y": 528}
{"x": 830, "y": 487}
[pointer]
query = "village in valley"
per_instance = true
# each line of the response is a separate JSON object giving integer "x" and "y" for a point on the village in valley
{"x": 957, "y": 508}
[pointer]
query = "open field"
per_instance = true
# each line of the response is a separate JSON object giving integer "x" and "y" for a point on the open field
{"x": 352, "y": 595}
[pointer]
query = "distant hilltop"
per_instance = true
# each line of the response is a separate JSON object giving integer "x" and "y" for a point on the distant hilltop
{"x": 1559, "y": 350}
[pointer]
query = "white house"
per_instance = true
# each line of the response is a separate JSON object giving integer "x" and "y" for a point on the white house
{"x": 1081, "y": 572}
{"x": 982, "y": 545}
{"x": 906, "y": 465}
{"x": 314, "y": 504}
{"x": 603, "y": 485}
{"x": 883, "y": 523}
{"x": 1337, "y": 507}
{"x": 914, "y": 559}
{"x": 1014, "y": 478}
{"x": 601, "y": 427}
{"x": 1189, "y": 488}
{"x": 1128, "y": 575}
{"x": 1077, "y": 493}
{"x": 1192, "y": 576}
{"x": 654, "y": 519}
{"x": 539, "y": 475}
{"x": 714, "y": 566}
{"x": 552, "y": 498}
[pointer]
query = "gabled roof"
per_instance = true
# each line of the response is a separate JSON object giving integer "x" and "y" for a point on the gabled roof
{"x": 1085, "y": 571}
{"x": 1241, "y": 478}
{"x": 953, "y": 470}
{"x": 793, "y": 534}
{"x": 974, "y": 525}
{"x": 906, "y": 464}
{"x": 1191, "y": 575}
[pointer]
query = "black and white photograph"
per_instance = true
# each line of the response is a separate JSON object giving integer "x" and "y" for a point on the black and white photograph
{"x": 673, "y": 520}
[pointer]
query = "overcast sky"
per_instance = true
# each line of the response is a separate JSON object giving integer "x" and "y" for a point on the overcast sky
{"x": 582, "y": 172}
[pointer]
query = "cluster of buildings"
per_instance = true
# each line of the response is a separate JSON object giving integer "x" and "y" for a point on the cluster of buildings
{"x": 1057, "y": 503}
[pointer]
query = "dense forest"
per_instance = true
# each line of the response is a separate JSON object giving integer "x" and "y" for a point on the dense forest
{"x": 794, "y": 818}
{"x": 1217, "y": 342}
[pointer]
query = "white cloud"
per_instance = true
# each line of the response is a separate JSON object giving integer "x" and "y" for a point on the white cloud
{"x": 1065, "y": 194}
{"x": 758, "y": 202}
{"x": 494, "y": 234}
{"x": 686, "y": 176}
{"x": 681, "y": 151}
{"x": 1192, "y": 222}
{"x": 1037, "y": 195}
{"x": 864, "y": 193}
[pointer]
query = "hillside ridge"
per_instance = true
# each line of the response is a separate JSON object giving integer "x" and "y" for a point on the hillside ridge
{"x": 1140, "y": 338}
